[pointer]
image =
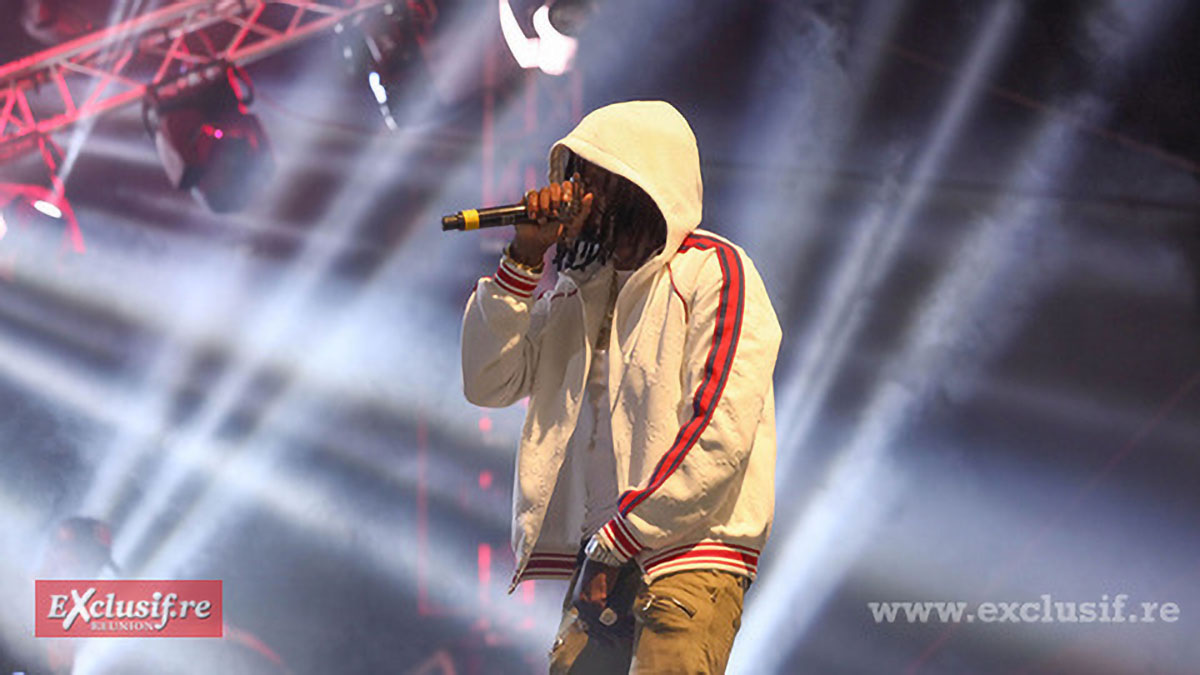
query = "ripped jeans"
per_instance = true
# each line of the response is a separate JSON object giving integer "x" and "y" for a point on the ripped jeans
{"x": 684, "y": 623}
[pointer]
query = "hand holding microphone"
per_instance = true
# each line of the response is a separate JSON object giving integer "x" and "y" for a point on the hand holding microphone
{"x": 556, "y": 212}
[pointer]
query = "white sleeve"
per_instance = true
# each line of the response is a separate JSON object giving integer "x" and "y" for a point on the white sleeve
{"x": 498, "y": 349}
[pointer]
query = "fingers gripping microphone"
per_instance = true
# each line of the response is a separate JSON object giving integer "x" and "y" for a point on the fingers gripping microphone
{"x": 474, "y": 219}
{"x": 500, "y": 216}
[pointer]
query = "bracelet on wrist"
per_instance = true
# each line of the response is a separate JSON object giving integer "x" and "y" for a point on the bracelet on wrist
{"x": 532, "y": 269}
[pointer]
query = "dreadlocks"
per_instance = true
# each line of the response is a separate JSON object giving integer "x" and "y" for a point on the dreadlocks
{"x": 628, "y": 217}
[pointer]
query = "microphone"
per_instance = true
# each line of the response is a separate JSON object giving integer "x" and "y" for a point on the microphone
{"x": 474, "y": 219}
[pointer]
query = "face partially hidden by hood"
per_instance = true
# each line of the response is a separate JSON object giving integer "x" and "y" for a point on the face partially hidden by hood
{"x": 650, "y": 144}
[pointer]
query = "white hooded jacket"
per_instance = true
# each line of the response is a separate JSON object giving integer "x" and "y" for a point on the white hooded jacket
{"x": 691, "y": 357}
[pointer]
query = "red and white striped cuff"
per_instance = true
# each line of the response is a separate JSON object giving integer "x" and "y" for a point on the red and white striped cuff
{"x": 616, "y": 537}
{"x": 515, "y": 280}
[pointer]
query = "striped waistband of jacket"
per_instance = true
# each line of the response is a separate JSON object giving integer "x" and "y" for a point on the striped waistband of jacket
{"x": 705, "y": 555}
{"x": 549, "y": 566}
{"x": 709, "y": 555}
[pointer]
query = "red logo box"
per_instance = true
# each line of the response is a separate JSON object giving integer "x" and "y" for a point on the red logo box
{"x": 123, "y": 608}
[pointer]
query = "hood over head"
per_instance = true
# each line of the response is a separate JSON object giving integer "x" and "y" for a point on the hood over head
{"x": 650, "y": 144}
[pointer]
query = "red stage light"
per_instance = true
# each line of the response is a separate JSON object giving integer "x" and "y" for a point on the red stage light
{"x": 55, "y": 21}
{"x": 207, "y": 141}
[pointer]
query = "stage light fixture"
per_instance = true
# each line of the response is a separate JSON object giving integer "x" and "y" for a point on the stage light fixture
{"x": 568, "y": 16}
{"x": 385, "y": 50}
{"x": 552, "y": 51}
{"x": 35, "y": 208}
{"x": 207, "y": 140}
{"x": 55, "y": 21}
{"x": 47, "y": 208}
{"x": 40, "y": 208}
{"x": 24, "y": 212}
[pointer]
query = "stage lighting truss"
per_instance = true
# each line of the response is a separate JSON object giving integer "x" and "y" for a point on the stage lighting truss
{"x": 169, "y": 46}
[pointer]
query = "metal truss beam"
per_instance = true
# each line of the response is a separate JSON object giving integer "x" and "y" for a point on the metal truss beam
{"x": 169, "y": 47}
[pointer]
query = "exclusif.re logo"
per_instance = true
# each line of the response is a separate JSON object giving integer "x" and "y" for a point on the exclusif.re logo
{"x": 126, "y": 608}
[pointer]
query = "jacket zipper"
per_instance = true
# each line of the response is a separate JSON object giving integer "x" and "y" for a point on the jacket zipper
{"x": 512, "y": 586}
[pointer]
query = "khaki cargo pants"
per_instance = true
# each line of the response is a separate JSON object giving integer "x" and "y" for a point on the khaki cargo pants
{"x": 684, "y": 624}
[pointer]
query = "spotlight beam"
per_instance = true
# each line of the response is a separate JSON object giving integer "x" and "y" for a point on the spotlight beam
{"x": 862, "y": 475}
{"x": 859, "y": 475}
{"x": 282, "y": 311}
{"x": 876, "y": 245}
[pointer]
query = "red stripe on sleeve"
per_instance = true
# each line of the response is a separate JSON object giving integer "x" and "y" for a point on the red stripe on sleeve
{"x": 717, "y": 366}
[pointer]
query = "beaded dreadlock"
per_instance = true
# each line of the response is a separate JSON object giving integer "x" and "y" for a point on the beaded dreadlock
{"x": 629, "y": 216}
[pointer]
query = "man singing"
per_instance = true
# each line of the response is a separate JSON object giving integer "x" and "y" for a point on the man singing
{"x": 645, "y": 472}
